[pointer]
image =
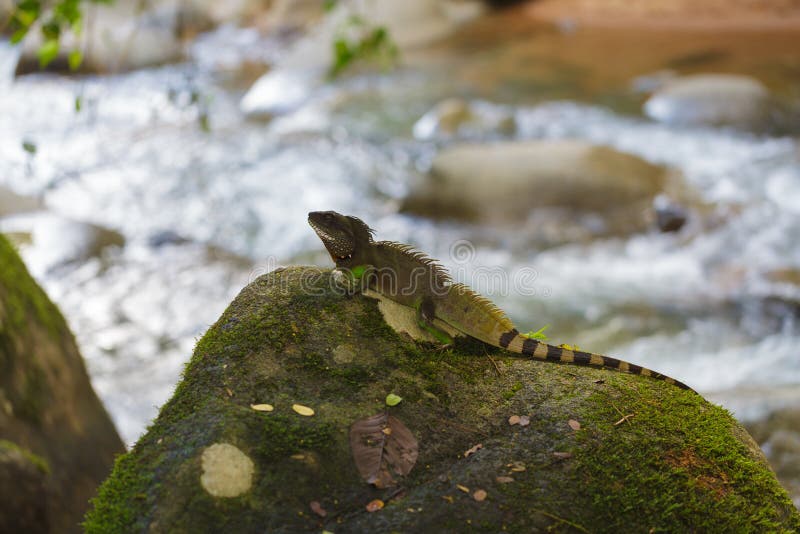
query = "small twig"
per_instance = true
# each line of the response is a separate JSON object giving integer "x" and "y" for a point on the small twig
{"x": 625, "y": 418}
{"x": 496, "y": 367}
{"x": 564, "y": 521}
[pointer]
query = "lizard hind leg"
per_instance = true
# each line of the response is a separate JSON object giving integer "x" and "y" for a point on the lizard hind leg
{"x": 426, "y": 311}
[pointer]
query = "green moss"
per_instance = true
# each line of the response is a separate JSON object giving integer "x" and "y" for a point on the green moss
{"x": 509, "y": 394}
{"x": 676, "y": 458}
{"x": 678, "y": 464}
{"x": 22, "y": 304}
{"x": 21, "y": 298}
{"x": 36, "y": 460}
{"x": 284, "y": 435}
{"x": 31, "y": 401}
{"x": 122, "y": 503}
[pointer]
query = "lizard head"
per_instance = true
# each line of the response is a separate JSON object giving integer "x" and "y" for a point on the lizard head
{"x": 344, "y": 237}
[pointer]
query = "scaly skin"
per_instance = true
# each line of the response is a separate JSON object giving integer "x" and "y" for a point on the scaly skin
{"x": 412, "y": 279}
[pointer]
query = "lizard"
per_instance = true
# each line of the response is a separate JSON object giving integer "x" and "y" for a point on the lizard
{"x": 409, "y": 277}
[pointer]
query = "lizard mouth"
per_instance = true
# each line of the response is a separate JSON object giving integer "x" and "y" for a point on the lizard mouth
{"x": 329, "y": 241}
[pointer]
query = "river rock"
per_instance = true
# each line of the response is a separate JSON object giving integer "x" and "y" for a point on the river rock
{"x": 55, "y": 240}
{"x": 56, "y": 441}
{"x": 779, "y": 436}
{"x": 459, "y": 117}
{"x": 712, "y": 100}
{"x": 411, "y": 24}
{"x": 287, "y": 16}
{"x": 23, "y": 509}
{"x": 507, "y": 181}
{"x": 11, "y": 202}
{"x": 257, "y": 436}
{"x": 125, "y": 36}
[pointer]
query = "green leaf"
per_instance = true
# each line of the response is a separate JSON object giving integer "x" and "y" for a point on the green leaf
{"x": 47, "y": 52}
{"x": 26, "y": 17}
{"x": 78, "y": 103}
{"x": 539, "y": 334}
{"x": 393, "y": 400}
{"x": 51, "y": 30}
{"x": 67, "y": 10}
{"x": 32, "y": 6}
{"x": 75, "y": 58}
{"x": 205, "y": 122}
{"x": 19, "y": 35}
{"x": 328, "y": 5}
{"x": 29, "y": 147}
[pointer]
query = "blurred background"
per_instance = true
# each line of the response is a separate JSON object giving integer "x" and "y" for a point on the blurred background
{"x": 627, "y": 173}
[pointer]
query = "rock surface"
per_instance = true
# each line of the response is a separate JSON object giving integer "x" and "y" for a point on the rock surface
{"x": 56, "y": 440}
{"x": 126, "y": 35}
{"x": 456, "y": 116}
{"x": 411, "y": 25}
{"x": 24, "y": 508}
{"x": 507, "y": 182}
{"x": 11, "y": 203}
{"x": 56, "y": 240}
{"x": 780, "y": 438}
{"x": 290, "y": 339}
{"x": 709, "y": 14}
{"x": 712, "y": 100}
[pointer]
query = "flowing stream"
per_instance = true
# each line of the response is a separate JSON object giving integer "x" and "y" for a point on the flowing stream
{"x": 207, "y": 199}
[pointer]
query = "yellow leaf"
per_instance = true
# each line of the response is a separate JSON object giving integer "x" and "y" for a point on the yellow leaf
{"x": 303, "y": 410}
{"x": 374, "y": 506}
{"x": 393, "y": 400}
{"x": 262, "y": 407}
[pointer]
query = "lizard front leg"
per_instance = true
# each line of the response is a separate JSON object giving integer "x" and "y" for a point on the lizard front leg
{"x": 351, "y": 281}
{"x": 426, "y": 312}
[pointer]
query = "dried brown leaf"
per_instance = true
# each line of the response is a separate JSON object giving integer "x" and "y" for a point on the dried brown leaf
{"x": 524, "y": 420}
{"x": 513, "y": 420}
{"x": 480, "y": 495}
{"x": 462, "y": 488}
{"x": 374, "y": 506}
{"x": 317, "y": 508}
{"x": 472, "y": 450}
{"x": 382, "y": 446}
{"x": 573, "y": 424}
{"x": 504, "y": 480}
{"x": 562, "y": 455}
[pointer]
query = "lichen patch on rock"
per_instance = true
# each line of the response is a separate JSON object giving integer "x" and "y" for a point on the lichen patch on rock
{"x": 343, "y": 354}
{"x": 227, "y": 471}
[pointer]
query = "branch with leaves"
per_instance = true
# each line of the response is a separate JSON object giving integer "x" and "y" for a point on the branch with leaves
{"x": 55, "y": 18}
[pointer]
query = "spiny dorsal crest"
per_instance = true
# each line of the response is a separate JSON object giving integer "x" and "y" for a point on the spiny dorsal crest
{"x": 359, "y": 227}
{"x": 441, "y": 274}
{"x": 482, "y": 303}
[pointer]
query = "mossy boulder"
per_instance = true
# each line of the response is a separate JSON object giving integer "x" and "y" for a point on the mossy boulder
{"x": 638, "y": 456}
{"x": 56, "y": 441}
{"x": 22, "y": 477}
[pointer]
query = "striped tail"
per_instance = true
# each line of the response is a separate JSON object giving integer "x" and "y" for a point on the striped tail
{"x": 516, "y": 342}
